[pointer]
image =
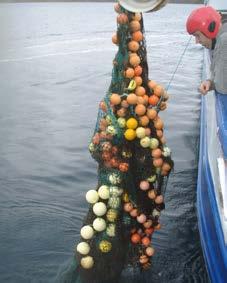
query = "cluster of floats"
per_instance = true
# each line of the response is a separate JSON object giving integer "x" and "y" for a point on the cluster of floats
{"x": 134, "y": 161}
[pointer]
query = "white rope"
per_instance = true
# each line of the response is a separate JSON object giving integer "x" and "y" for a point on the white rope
{"x": 182, "y": 55}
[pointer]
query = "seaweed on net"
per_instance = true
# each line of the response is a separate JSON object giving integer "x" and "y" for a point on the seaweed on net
{"x": 130, "y": 212}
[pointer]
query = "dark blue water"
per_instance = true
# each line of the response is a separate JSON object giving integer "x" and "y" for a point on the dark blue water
{"x": 55, "y": 67}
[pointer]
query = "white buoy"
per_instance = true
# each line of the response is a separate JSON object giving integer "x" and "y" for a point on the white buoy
{"x": 92, "y": 196}
{"x": 104, "y": 192}
{"x": 145, "y": 142}
{"x": 99, "y": 224}
{"x": 154, "y": 143}
{"x": 87, "y": 262}
{"x": 83, "y": 248}
{"x": 99, "y": 208}
{"x": 140, "y": 132}
{"x": 87, "y": 232}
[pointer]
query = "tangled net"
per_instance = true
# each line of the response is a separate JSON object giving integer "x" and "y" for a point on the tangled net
{"x": 134, "y": 164}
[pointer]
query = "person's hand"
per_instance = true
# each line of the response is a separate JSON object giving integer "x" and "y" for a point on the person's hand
{"x": 205, "y": 87}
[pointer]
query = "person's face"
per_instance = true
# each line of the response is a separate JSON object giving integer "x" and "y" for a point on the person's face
{"x": 202, "y": 39}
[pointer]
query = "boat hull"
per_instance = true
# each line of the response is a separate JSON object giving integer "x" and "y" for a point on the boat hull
{"x": 210, "y": 227}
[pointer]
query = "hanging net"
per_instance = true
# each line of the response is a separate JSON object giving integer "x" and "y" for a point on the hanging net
{"x": 133, "y": 165}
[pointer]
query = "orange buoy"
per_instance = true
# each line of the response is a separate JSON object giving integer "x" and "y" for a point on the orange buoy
{"x": 144, "y": 120}
{"x": 133, "y": 46}
{"x": 138, "y": 70}
{"x": 135, "y": 238}
{"x": 137, "y": 17}
{"x": 115, "y": 99}
{"x": 115, "y": 39}
{"x": 157, "y": 162}
{"x": 152, "y": 84}
{"x": 140, "y": 91}
{"x": 140, "y": 109}
{"x": 134, "y": 25}
{"x": 156, "y": 153}
{"x": 138, "y": 80}
{"x": 151, "y": 113}
{"x": 137, "y": 36}
{"x": 122, "y": 19}
{"x": 153, "y": 100}
{"x": 132, "y": 99}
{"x": 158, "y": 90}
{"x": 129, "y": 73}
{"x": 134, "y": 60}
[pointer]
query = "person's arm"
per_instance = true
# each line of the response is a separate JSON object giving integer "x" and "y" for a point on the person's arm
{"x": 208, "y": 84}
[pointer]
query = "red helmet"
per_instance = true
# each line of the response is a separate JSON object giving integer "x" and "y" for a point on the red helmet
{"x": 206, "y": 20}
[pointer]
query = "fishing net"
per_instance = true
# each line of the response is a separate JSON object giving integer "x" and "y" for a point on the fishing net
{"x": 133, "y": 165}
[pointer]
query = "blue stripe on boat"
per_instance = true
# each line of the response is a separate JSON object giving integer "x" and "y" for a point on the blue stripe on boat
{"x": 221, "y": 114}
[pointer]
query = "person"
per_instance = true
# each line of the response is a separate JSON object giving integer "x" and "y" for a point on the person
{"x": 205, "y": 25}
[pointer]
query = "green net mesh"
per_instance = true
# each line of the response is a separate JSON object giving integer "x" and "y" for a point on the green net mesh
{"x": 134, "y": 164}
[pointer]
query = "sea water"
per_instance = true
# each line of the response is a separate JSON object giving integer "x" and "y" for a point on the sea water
{"x": 55, "y": 67}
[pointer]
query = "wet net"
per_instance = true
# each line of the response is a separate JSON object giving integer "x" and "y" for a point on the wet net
{"x": 133, "y": 165}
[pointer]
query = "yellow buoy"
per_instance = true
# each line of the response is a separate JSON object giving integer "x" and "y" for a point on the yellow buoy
{"x": 130, "y": 134}
{"x": 105, "y": 246}
{"x": 132, "y": 123}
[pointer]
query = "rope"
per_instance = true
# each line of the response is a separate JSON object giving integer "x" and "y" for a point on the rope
{"x": 182, "y": 55}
